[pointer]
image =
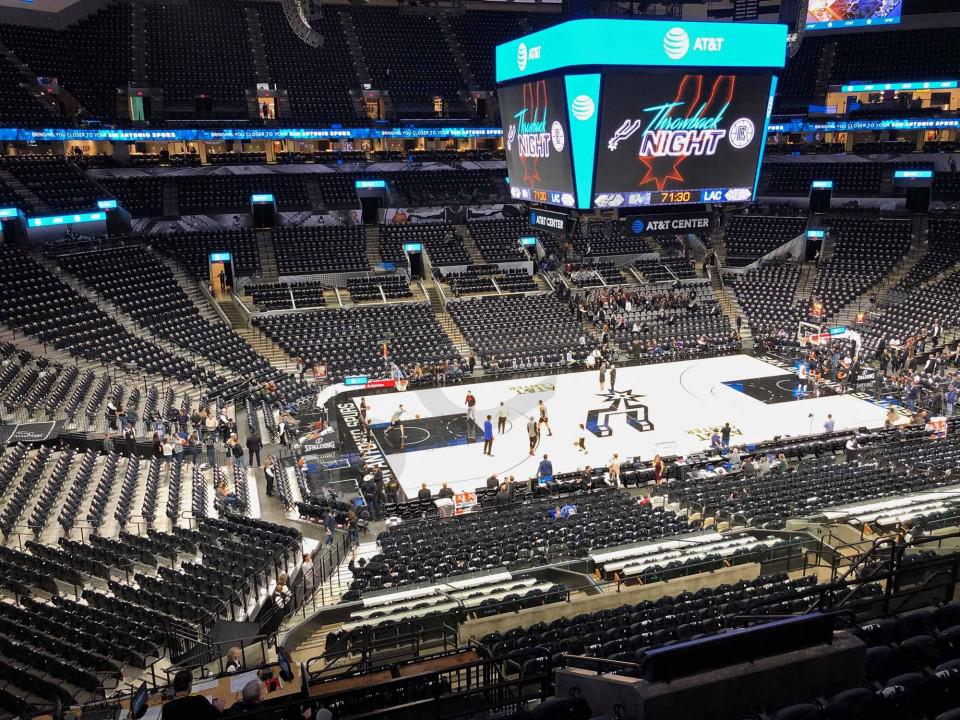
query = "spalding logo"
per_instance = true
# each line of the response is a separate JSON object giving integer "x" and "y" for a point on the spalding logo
{"x": 583, "y": 107}
{"x": 676, "y": 43}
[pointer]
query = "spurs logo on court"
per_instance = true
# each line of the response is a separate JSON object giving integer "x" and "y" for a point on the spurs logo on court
{"x": 621, "y": 402}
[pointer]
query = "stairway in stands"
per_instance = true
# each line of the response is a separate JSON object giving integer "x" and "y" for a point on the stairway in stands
{"x": 731, "y": 308}
{"x": 269, "y": 270}
{"x": 470, "y": 245}
{"x": 372, "y": 235}
{"x": 445, "y": 319}
{"x": 30, "y": 199}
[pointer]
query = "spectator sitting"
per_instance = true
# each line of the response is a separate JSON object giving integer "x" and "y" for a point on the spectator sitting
{"x": 185, "y": 706}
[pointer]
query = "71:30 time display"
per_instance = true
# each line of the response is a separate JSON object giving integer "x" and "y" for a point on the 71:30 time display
{"x": 676, "y": 196}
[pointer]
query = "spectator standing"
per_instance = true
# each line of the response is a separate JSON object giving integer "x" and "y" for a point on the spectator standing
{"x": 471, "y": 403}
{"x": 254, "y": 446}
{"x": 829, "y": 424}
{"x": 502, "y": 413}
{"x": 614, "y": 468}
{"x": 270, "y": 473}
{"x": 107, "y": 443}
{"x": 532, "y": 434}
{"x": 488, "y": 436}
{"x": 545, "y": 469}
{"x": 725, "y": 436}
{"x": 131, "y": 439}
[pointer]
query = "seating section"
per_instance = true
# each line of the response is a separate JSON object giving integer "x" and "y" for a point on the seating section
{"x": 499, "y": 240}
{"x": 749, "y": 237}
{"x": 662, "y": 324}
{"x": 38, "y": 304}
{"x": 231, "y": 193}
{"x": 193, "y": 249}
{"x": 321, "y": 96}
{"x": 393, "y": 287}
{"x": 56, "y": 181}
{"x": 849, "y": 178}
{"x": 865, "y": 251}
{"x": 331, "y": 249}
{"x": 518, "y": 331}
{"x": 943, "y": 251}
{"x": 285, "y": 296}
{"x": 477, "y": 33}
{"x": 441, "y": 241}
{"x": 138, "y": 283}
{"x": 597, "y": 239}
{"x": 412, "y": 72}
{"x": 449, "y": 187}
{"x": 593, "y": 274}
{"x": 513, "y": 539}
{"x": 766, "y": 296}
{"x": 141, "y": 196}
{"x": 201, "y": 57}
{"x": 348, "y": 342}
{"x": 818, "y": 484}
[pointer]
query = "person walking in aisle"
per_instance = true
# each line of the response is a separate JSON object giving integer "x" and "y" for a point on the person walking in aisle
{"x": 488, "y": 436}
{"x": 254, "y": 446}
{"x": 502, "y": 419}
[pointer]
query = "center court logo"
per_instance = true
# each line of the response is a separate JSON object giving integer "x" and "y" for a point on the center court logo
{"x": 620, "y": 402}
{"x": 583, "y": 107}
{"x": 676, "y": 43}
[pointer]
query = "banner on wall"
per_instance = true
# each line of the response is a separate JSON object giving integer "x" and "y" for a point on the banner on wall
{"x": 667, "y": 224}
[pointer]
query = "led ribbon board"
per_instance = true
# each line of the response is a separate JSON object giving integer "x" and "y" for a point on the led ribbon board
{"x": 74, "y": 219}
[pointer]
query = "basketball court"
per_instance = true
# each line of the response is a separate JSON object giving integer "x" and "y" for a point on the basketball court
{"x": 668, "y": 408}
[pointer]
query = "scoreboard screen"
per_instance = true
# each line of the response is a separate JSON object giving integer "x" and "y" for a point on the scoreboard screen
{"x": 679, "y": 138}
{"x": 537, "y": 141}
{"x": 831, "y": 14}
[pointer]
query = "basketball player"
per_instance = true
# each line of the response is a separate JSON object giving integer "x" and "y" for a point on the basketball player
{"x": 533, "y": 433}
{"x": 543, "y": 416}
{"x": 396, "y": 423}
{"x": 502, "y": 419}
{"x": 581, "y": 443}
{"x": 471, "y": 403}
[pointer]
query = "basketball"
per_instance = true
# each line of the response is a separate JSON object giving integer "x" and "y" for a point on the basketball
{"x": 418, "y": 416}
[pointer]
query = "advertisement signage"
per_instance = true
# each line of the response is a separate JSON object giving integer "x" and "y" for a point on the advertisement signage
{"x": 537, "y": 142}
{"x": 667, "y": 224}
{"x": 679, "y": 138}
{"x": 838, "y": 14}
{"x": 545, "y": 220}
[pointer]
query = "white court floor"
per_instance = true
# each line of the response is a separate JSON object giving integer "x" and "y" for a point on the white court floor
{"x": 684, "y": 401}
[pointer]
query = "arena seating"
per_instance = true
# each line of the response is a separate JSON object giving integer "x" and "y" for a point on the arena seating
{"x": 817, "y": 484}
{"x": 39, "y": 304}
{"x": 55, "y": 181}
{"x": 286, "y": 296}
{"x": 449, "y": 187}
{"x": 193, "y": 249}
{"x": 413, "y": 73}
{"x": 142, "y": 196}
{"x": 141, "y": 285}
{"x": 321, "y": 96}
{"x": 849, "y": 178}
{"x": 348, "y": 341}
{"x": 200, "y": 52}
{"x": 518, "y": 332}
{"x": 394, "y": 287}
{"x": 766, "y": 296}
{"x": 499, "y": 240}
{"x": 477, "y": 33}
{"x": 305, "y": 250}
{"x": 440, "y": 240}
{"x": 231, "y": 193}
{"x": 943, "y": 251}
{"x": 749, "y": 237}
{"x": 435, "y": 551}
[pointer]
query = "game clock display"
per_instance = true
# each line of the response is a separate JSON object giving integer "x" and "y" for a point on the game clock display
{"x": 537, "y": 141}
{"x": 678, "y": 138}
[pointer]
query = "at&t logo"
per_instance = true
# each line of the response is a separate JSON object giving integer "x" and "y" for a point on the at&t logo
{"x": 525, "y": 55}
{"x": 583, "y": 107}
{"x": 676, "y": 43}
